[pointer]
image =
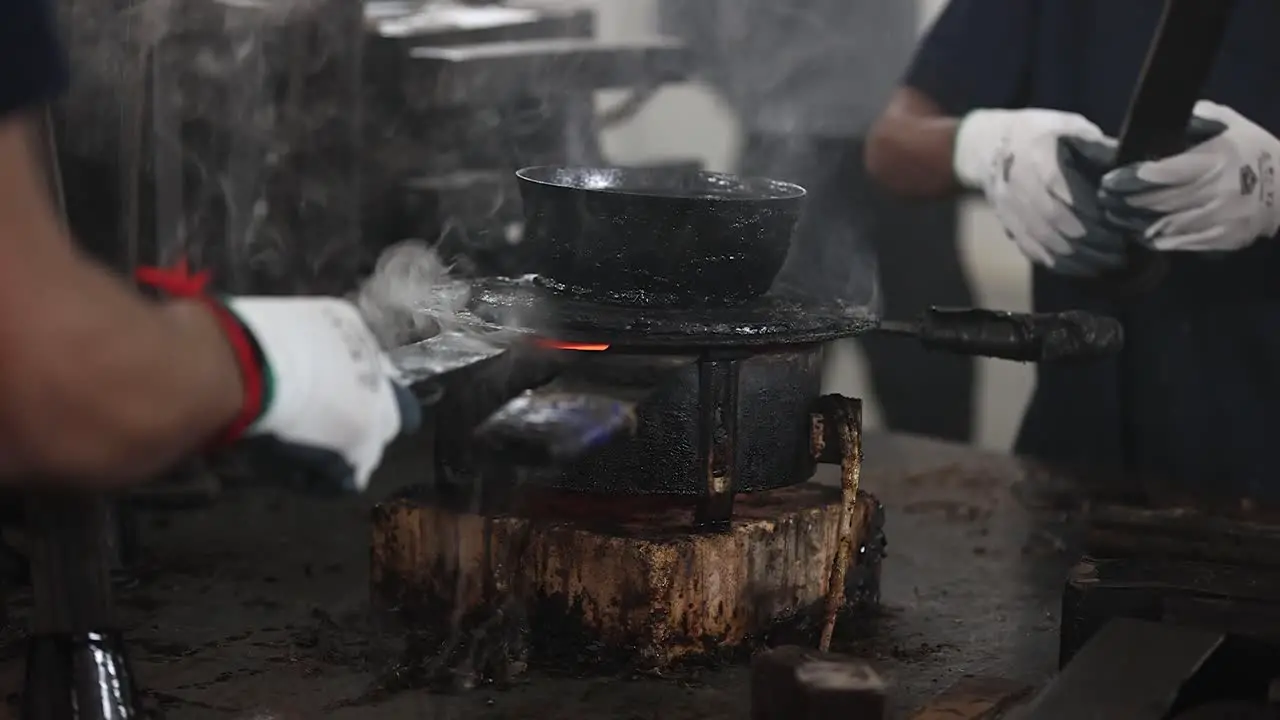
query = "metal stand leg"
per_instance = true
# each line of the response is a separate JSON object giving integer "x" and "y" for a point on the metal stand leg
{"x": 76, "y": 665}
{"x": 718, "y": 442}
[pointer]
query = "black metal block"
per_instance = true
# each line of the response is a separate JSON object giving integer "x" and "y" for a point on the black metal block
{"x": 1129, "y": 670}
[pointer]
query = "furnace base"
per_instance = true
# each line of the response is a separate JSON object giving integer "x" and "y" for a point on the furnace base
{"x": 633, "y": 580}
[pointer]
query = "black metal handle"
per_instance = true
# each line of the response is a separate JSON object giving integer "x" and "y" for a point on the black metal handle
{"x": 1071, "y": 336}
{"x": 1179, "y": 60}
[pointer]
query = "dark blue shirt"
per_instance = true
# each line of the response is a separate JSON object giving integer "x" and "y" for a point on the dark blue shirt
{"x": 32, "y": 66}
{"x": 1197, "y": 392}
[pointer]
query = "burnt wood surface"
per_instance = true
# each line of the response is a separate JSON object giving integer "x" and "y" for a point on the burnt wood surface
{"x": 1240, "y": 600}
{"x": 1183, "y": 533}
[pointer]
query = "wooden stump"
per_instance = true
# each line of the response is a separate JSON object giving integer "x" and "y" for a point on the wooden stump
{"x": 630, "y": 571}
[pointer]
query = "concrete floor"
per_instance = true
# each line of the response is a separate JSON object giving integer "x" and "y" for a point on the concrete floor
{"x": 261, "y": 602}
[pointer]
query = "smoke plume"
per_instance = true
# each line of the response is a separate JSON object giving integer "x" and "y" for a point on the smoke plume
{"x": 411, "y": 296}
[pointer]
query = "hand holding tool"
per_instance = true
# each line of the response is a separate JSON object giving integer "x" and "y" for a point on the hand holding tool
{"x": 318, "y": 388}
{"x": 1218, "y": 196}
{"x": 1179, "y": 59}
{"x": 1042, "y": 195}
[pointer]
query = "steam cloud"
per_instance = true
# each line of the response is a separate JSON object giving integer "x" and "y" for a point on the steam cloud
{"x": 410, "y": 296}
{"x": 232, "y": 130}
{"x": 829, "y": 68}
{"x": 253, "y": 125}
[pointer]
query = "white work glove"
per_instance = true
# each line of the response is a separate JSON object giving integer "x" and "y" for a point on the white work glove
{"x": 333, "y": 399}
{"x": 1039, "y": 170}
{"x": 1217, "y": 196}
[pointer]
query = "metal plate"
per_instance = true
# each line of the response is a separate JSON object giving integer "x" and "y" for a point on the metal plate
{"x": 775, "y": 319}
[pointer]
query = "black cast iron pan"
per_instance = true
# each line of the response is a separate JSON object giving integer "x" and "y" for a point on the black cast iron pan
{"x": 659, "y": 237}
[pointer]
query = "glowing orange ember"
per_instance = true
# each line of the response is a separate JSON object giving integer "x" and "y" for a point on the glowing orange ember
{"x": 587, "y": 347}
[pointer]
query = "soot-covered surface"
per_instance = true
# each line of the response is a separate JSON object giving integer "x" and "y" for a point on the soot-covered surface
{"x": 261, "y": 602}
{"x": 658, "y": 237}
{"x": 768, "y": 320}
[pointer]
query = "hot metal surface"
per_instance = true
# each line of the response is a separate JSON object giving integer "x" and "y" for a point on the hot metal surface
{"x": 768, "y": 320}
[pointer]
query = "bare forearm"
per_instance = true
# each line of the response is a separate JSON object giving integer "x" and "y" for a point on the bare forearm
{"x": 909, "y": 150}
{"x": 96, "y": 382}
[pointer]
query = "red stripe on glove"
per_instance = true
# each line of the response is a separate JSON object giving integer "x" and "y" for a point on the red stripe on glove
{"x": 179, "y": 282}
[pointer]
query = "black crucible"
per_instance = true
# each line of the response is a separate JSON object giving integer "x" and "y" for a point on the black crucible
{"x": 658, "y": 237}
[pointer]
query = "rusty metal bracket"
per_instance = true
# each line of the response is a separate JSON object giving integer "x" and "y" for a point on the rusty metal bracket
{"x": 836, "y": 425}
{"x": 717, "y": 441}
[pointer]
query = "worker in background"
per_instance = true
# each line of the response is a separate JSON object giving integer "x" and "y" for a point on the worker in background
{"x": 100, "y": 386}
{"x": 806, "y": 79}
{"x": 1001, "y": 97}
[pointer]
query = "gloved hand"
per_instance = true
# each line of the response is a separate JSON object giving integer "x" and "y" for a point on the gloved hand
{"x": 317, "y": 383}
{"x": 1217, "y": 196}
{"x": 331, "y": 397}
{"x": 1039, "y": 170}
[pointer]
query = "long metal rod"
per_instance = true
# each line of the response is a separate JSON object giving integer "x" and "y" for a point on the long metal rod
{"x": 70, "y": 556}
{"x": 69, "y": 531}
{"x": 847, "y": 418}
{"x": 1181, "y": 57}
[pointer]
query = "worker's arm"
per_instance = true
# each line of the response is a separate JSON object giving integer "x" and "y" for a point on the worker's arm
{"x": 96, "y": 382}
{"x": 959, "y": 122}
{"x": 977, "y": 54}
{"x": 910, "y": 147}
